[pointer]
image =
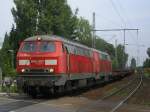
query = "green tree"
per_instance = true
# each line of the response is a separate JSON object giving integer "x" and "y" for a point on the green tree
{"x": 148, "y": 52}
{"x": 25, "y": 17}
{"x": 147, "y": 61}
{"x": 122, "y": 57}
{"x": 104, "y": 46}
{"x": 83, "y": 32}
{"x": 5, "y": 58}
{"x": 43, "y": 17}
{"x": 55, "y": 16}
{"x": 115, "y": 64}
{"x": 133, "y": 63}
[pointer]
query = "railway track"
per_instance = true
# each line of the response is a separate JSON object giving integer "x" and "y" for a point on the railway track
{"x": 131, "y": 93}
{"x": 106, "y": 102}
{"x": 117, "y": 91}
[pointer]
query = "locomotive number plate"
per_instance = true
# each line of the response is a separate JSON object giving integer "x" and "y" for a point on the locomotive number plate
{"x": 37, "y": 61}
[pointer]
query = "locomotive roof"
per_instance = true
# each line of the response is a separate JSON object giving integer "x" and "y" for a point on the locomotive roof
{"x": 58, "y": 38}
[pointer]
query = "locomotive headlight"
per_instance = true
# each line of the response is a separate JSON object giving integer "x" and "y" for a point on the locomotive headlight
{"x": 51, "y": 62}
{"x": 23, "y": 70}
{"x": 51, "y": 70}
{"x": 24, "y": 62}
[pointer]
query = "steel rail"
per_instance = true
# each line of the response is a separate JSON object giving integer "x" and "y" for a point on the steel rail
{"x": 129, "y": 96}
{"x": 105, "y": 97}
{"x": 117, "y": 91}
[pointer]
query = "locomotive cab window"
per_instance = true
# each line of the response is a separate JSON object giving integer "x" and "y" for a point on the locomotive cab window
{"x": 47, "y": 47}
{"x": 28, "y": 47}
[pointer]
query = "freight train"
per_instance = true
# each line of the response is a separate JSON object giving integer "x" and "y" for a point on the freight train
{"x": 51, "y": 64}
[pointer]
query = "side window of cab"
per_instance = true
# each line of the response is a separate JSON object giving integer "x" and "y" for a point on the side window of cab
{"x": 65, "y": 49}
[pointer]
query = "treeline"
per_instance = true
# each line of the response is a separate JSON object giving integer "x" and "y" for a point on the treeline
{"x": 42, "y": 17}
{"x": 146, "y": 63}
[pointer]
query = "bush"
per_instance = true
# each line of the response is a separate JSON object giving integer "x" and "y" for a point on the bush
{"x": 147, "y": 72}
{"x": 11, "y": 89}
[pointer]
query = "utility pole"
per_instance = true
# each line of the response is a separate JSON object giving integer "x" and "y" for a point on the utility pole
{"x": 93, "y": 29}
{"x": 116, "y": 55}
{"x": 124, "y": 42}
{"x": 137, "y": 63}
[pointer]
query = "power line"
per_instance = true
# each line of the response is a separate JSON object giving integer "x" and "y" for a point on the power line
{"x": 116, "y": 29}
{"x": 108, "y": 20}
{"x": 122, "y": 19}
{"x": 127, "y": 19}
{"x": 118, "y": 13}
{"x": 121, "y": 7}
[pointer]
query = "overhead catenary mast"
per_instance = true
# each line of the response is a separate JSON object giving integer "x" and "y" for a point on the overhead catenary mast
{"x": 93, "y": 30}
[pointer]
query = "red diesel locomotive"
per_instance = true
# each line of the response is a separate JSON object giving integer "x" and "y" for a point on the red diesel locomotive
{"x": 48, "y": 64}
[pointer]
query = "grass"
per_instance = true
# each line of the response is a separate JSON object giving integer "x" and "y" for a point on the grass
{"x": 147, "y": 104}
{"x": 147, "y": 74}
{"x": 112, "y": 90}
{"x": 123, "y": 93}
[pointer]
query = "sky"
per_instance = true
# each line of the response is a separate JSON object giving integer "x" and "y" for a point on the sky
{"x": 6, "y": 19}
{"x": 110, "y": 14}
